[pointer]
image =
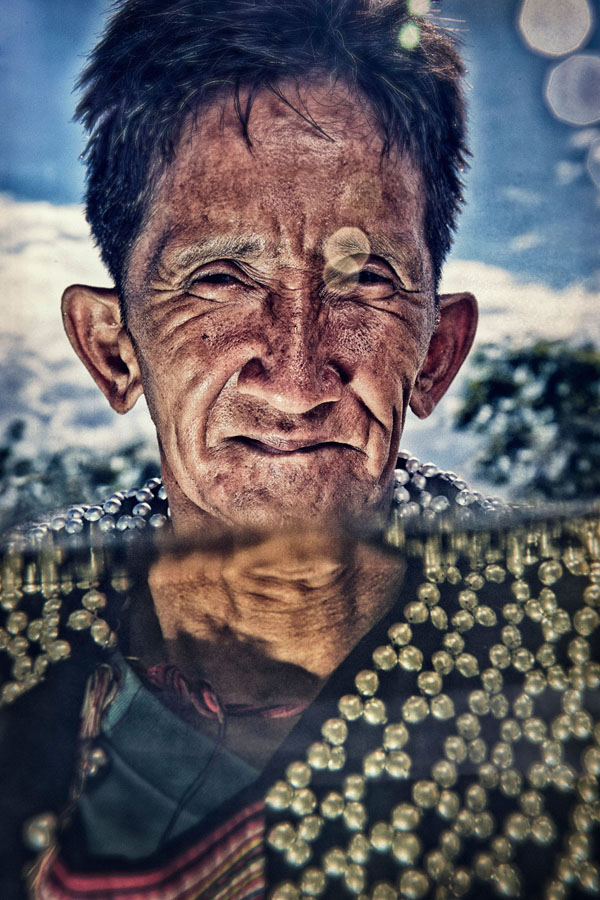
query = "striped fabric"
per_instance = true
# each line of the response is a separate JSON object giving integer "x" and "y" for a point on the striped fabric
{"x": 228, "y": 864}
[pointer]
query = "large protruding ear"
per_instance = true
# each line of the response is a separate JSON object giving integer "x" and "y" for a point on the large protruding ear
{"x": 449, "y": 346}
{"x": 92, "y": 320}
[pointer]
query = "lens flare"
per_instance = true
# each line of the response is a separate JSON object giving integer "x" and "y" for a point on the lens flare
{"x": 555, "y": 27}
{"x": 409, "y": 36}
{"x": 419, "y": 7}
{"x": 573, "y": 89}
{"x": 593, "y": 162}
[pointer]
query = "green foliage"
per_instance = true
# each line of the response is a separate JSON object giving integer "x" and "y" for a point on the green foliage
{"x": 537, "y": 408}
{"x": 32, "y": 482}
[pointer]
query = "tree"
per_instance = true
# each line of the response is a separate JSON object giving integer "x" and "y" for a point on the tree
{"x": 537, "y": 408}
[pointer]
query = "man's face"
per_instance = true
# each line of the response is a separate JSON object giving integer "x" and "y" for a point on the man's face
{"x": 281, "y": 304}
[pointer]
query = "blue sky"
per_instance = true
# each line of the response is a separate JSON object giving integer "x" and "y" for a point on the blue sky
{"x": 530, "y": 206}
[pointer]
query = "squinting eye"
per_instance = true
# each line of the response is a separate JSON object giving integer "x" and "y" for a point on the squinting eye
{"x": 367, "y": 277}
{"x": 216, "y": 278}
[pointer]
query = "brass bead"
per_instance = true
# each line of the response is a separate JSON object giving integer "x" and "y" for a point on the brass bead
{"x": 337, "y": 760}
{"x": 483, "y": 866}
{"x": 581, "y": 724}
{"x": 474, "y": 580}
{"x": 80, "y": 619}
{"x": 535, "y": 683}
{"x": 437, "y": 866}
{"x": 455, "y": 749}
{"x": 511, "y": 637}
{"x": 16, "y": 622}
{"x": 591, "y": 761}
{"x": 485, "y": 615}
{"x": 303, "y": 802}
{"x": 479, "y": 703}
{"x": 425, "y": 793}
{"x": 450, "y": 844}
{"x": 454, "y": 643}
{"x": 395, "y": 736}
{"x": 496, "y": 574}
{"x": 430, "y": 683}
{"x": 355, "y": 815}
{"x": 444, "y": 773}
{"x": 467, "y": 665}
{"x": 534, "y": 729}
{"x": 464, "y": 823}
{"x": 380, "y": 836}
{"x": 374, "y": 764}
{"x": 477, "y": 750}
{"x": 492, "y": 680}
{"x": 520, "y": 590}
{"x": 483, "y": 825}
{"x": 410, "y": 658}
{"x": 513, "y": 613}
{"x": 476, "y": 798}
{"x": 332, "y": 806}
{"x": 385, "y": 657}
{"x": 538, "y": 775}
{"x": 500, "y": 656}
{"x": 281, "y": 836}
{"x": 355, "y": 878}
{"x": 511, "y": 782}
{"x": 298, "y": 853}
{"x": 448, "y": 805}
{"x": 400, "y": 634}
{"x": 298, "y": 774}
{"x": 439, "y": 618}
{"x": 413, "y": 884}
{"x": 39, "y": 831}
{"x": 375, "y": 712}
{"x": 313, "y": 882}
{"x": 585, "y": 621}
{"x": 442, "y": 662}
{"x": 310, "y": 827}
{"x": 398, "y": 764}
{"x": 523, "y": 706}
{"x": 587, "y": 788}
{"x": 359, "y": 849}
{"x": 354, "y": 786}
{"x": 488, "y": 776}
{"x": 517, "y": 826}
{"x": 550, "y": 571}
{"x": 579, "y": 650}
{"x": 589, "y": 878}
{"x": 510, "y": 730}
{"x": 335, "y": 731}
{"x": 318, "y": 755}
{"x": 499, "y": 706}
{"x": 442, "y": 707}
{"x": 463, "y": 621}
{"x": 279, "y": 795}
{"x": 416, "y": 612}
{"x": 501, "y": 848}
{"x": 531, "y": 802}
{"x": 542, "y": 829}
{"x": 384, "y": 891}
{"x": 93, "y": 600}
{"x": 405, "y": 817}
{"x": 579, "y": 847}
{"x": 428, "y": 594}
{"x": 468, "y": 600}
{"x": 286, "y": 891}
{"x": 523, "y": 659}
{"x": 506, "y": 880}
{"x": 100, "y": 632}
{"x": 334, "y": 861}
{"x": 563, "y": 778}
{"x": 367, "y": 683}
{"x": 350, "y": 707}
{"x": 58, "y": 650}
{"x": 468, "y": 726}
{"x": 415, "y": 709}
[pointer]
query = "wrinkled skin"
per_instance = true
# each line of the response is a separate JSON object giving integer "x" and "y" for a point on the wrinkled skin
{"x": 278, "y": 374}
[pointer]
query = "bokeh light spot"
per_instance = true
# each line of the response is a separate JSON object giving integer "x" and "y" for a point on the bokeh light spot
{"x": 593, "y": 162}
{"x": 555, "y": 27}
{"x": 573, "y": 89}
{"x": 409, "y": 36}
{"x": 346, "y": 251}
{"x": 419, "y": 7}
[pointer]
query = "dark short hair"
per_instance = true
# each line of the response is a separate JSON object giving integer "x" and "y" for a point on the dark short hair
{"x": 160, "y": 61}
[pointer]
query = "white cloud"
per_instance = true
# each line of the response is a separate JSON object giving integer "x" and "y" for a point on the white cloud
{"x": 43, "y": 248}
{"x": 567, "y": 172}
{"x": 526, "y": 241}
{"x": 524, "y": 196}
{"x": 583, "y": 137}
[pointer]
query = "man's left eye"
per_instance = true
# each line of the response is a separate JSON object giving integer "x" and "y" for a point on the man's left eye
{"x": 216, "y": 278}
{"x": 365, "y": 276}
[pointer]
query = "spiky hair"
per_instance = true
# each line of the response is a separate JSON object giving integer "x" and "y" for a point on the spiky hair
{"x": 160, "y": 61}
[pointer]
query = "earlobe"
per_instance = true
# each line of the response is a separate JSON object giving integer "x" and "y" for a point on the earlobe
{"x": 92, "y": 321}
{"x": 448, "y": 349}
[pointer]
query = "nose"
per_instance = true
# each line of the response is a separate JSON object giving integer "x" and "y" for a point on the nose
{"x": 293, "y": 371}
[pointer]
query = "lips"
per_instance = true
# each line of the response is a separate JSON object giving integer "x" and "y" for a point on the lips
{"x": 284, "y": 447}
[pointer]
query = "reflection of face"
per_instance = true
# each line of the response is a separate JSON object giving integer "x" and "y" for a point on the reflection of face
{"x": 281, "y": 304}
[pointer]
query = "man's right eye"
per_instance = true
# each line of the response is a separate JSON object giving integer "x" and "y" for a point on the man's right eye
{"x": 215, "y": 278}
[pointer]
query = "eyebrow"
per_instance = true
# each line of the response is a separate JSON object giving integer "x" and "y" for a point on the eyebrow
{"x": 206, "y": 250}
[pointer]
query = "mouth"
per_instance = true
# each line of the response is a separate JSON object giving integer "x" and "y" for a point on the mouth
{"x": 274, "y": 446}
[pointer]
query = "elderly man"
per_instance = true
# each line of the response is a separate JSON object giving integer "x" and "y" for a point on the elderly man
{"x": 273, "y": 189}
